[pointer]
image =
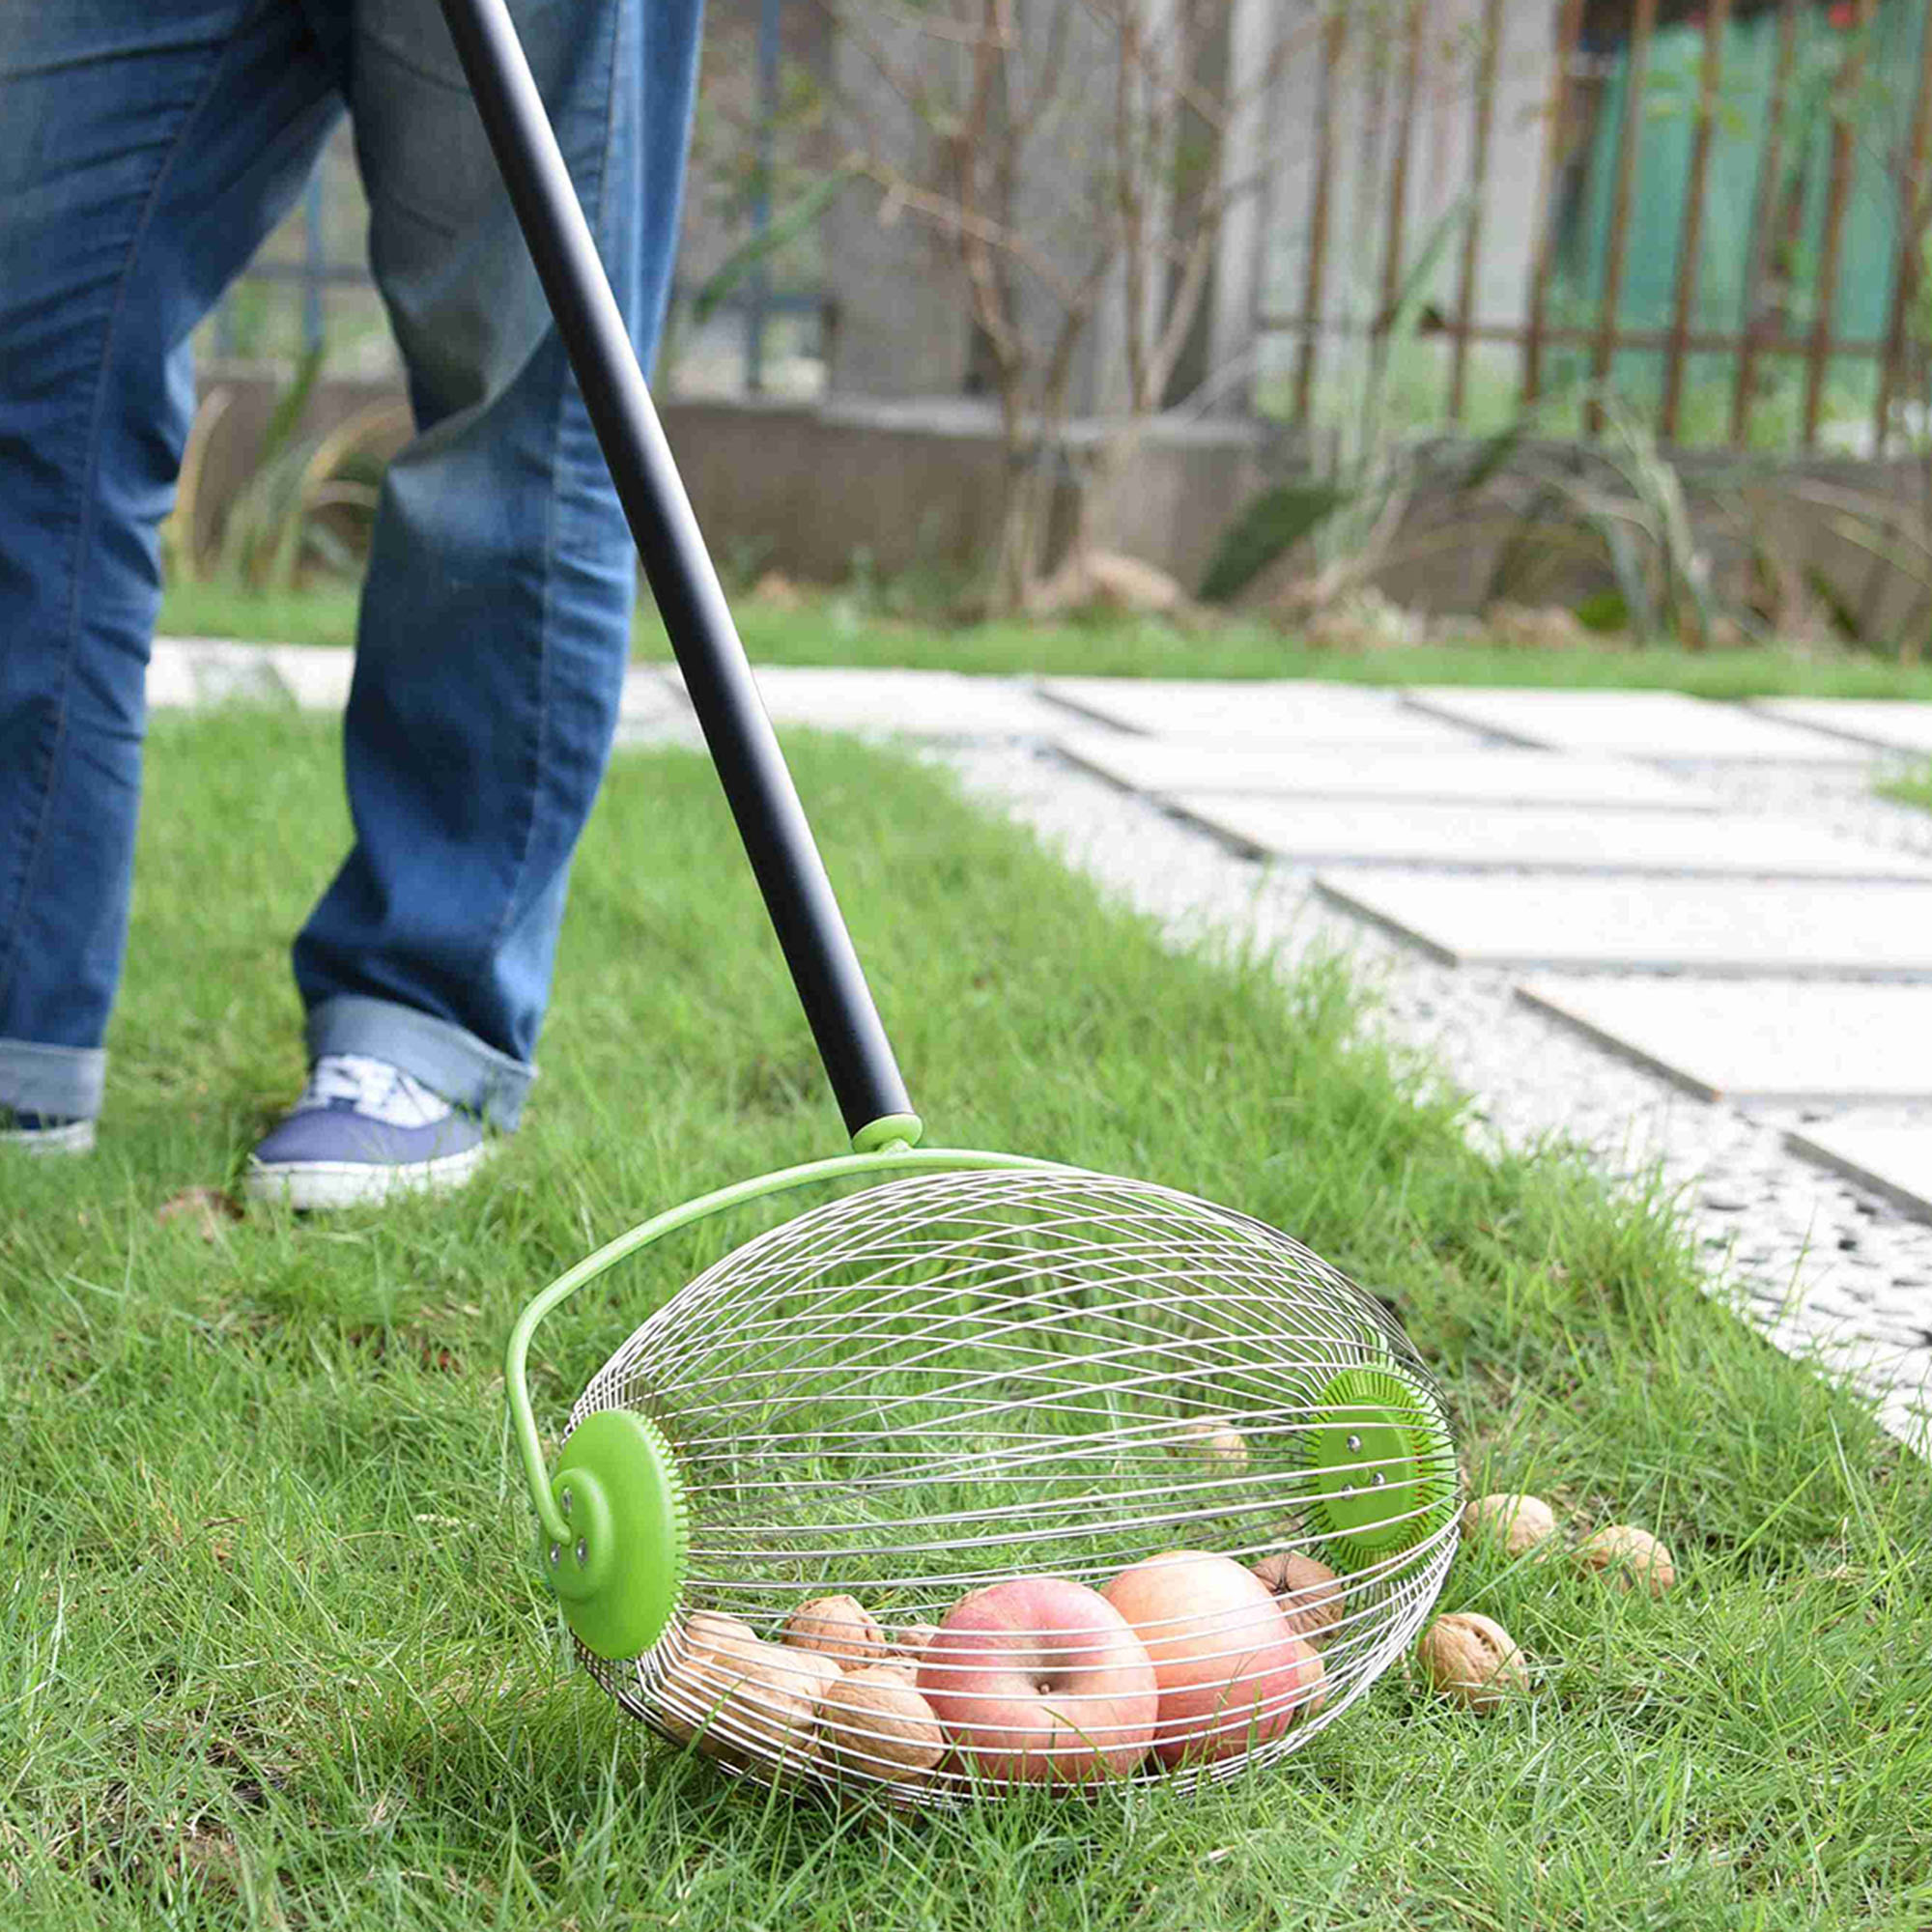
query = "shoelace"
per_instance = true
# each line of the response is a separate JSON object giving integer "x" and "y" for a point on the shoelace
{"x": 373, "y": 1089}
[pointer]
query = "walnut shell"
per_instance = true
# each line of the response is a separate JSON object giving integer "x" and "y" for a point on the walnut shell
{"x": 1309, "y": 1593}
{"x": 842, "y": 1627}
{"x": 1627, "y": 1556}
{"x": 874, "y": 1723}
{"x": 811, "y": 1673}
{"x": 1521, "y": 1523}
{"x": 1471, "y": 1658}
{"x": 712, "y": 1629}
{"x": 740, "y": 1702}
{"x": 909, "y": 1641}
{"x": 1213, "y": 1441}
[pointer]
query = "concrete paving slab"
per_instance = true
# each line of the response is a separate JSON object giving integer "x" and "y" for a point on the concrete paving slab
{"x": 212, "y": 670}
{"x": 1892, "y": 724}
{"x": 1724, "y": 927}
{"x": 649, "y": 694}
{"x": 1757, "y": 1042}
{"x": 1494, "y": 775}
{"x": 170, "y": 675}
{"x": 654, "y": 712}
{"x": 1544, "y": 838}
{"x": 1892, "y": 1161}
{"x": 318, "y": 676}
{"x": 1288, "y": 711}
{"x": 1634, "y": 723}
{"x": 903, "y": 704}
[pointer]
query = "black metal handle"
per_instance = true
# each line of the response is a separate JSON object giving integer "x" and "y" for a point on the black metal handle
{"x": 791, "y": 873}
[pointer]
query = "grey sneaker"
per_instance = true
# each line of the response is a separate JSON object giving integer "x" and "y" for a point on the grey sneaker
{"x": 362, "y": 1131}
{"x": 45, "y": 1133}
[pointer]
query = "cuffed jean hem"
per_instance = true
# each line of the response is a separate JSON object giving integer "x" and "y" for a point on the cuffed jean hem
{"x": 61, "y": 1083}
{"x": 446, "y": 1059}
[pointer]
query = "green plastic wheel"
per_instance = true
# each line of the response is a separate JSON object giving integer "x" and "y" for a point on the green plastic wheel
{"x": 619, "y": 1575}
{"x": 1383, "y": 1466}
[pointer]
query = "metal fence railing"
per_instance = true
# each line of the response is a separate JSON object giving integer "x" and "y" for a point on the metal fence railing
{"x": 1719, "y": 195}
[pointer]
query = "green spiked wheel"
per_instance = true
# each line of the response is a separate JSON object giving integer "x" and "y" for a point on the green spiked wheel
{"x": 1383, "y": 1466}
{"x": 619, "y": 1571}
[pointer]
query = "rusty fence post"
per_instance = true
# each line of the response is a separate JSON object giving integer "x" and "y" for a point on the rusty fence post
{"x": 1715, "y": 22}
{"x": 1485, "y": 105}
{"x": 1334, "y": 38}
{"x": 1764, "y": 209}
{"x": 1851, "y": 75}
{"x": 1569, "y": 26}
{"x": 1636, "y": 74}
{"x": 1915, "y": 208}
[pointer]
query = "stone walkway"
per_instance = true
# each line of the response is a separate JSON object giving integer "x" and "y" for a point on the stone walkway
{"x": 1683, "y": 934}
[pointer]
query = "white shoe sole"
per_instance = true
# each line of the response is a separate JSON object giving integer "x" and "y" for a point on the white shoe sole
{"x": 308, "y": 1184}
{"x": 75, "y": 1137}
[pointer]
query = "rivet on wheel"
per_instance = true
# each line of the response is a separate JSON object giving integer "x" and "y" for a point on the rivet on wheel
{"x": 554, "y": 1554}
{"x": 567, "y": 1500}
{"x": 1355, "y": 1445}
{"x": 583, "y": 1552}
{"x": 1375, "y": 1481}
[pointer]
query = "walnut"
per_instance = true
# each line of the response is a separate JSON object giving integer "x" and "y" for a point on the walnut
{"x": 1629, "y": 1556}
{"x": 1213, "y": 1441}
{"x": 712, "y": 1629}
{"x": 1308, "y": 1591}
{"x": 1522, "y": 1523}
{"x": 1472, "y": 1660}
{"x": 741, "y": 1701}
{"x": 842, "y": 1627}
{"x": 909, "y": 1641}
{"x": 876, "y": 1724}
{"x": 806, "y": 1673}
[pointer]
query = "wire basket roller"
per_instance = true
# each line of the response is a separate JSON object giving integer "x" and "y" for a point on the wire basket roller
{"x": 995, "y": 1472}
{"x": 959, "y": 1380}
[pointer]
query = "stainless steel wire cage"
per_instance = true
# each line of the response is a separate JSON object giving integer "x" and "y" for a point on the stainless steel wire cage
{"x": 836, "y": 1510}
{"x": 950, "y": 1382}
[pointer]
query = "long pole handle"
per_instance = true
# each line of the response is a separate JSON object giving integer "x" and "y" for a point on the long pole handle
{"x": 811, "y": 931}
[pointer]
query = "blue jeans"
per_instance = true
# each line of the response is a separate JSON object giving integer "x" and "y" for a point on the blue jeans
{"x": 146, "y": 147}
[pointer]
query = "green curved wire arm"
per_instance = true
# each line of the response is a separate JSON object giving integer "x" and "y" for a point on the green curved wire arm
{"x": 890, "y": 1159}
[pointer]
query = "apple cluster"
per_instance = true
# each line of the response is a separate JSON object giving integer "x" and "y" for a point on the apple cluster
{"x": 1186, "y": 1658}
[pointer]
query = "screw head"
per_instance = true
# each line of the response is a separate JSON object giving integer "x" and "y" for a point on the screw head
{"x": 554, "y": 1554}
{"x": 1377, "y": 1480}
{"x": 566, "y": 1499}
{"x": 582, "y": 1551}
{"x": 1355, "y": 1445}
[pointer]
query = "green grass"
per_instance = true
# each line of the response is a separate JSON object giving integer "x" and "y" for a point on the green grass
{"x": 274, "y": 1655}
{"x": 847, "y": 628}
{"x": 323, "y": 614}
{"x": 1915, "y": 790}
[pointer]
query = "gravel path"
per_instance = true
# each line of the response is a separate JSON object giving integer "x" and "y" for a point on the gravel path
{"x": 1828, "y": 1271}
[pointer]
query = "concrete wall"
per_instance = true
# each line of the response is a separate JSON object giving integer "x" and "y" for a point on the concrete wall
{"x": 805, "y": 489}
{"x": 809, "y": 488}
{"x": 1445, "y": 555}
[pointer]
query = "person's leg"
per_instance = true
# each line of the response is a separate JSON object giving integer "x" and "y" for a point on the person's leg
{"x": 496, "y": 618}
{"x": 145, "y": 148}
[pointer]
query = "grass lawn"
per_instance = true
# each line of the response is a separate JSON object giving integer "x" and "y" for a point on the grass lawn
{"x": 275, "y": 1650}
{"x": 841, "y": 629}
{"x": 1915, "y": 790}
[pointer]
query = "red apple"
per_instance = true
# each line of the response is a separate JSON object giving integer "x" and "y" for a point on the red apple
{"x": 1039, "y": 1678}
{"x": 1231, "y": 1671}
